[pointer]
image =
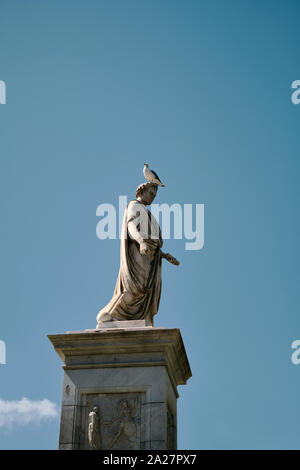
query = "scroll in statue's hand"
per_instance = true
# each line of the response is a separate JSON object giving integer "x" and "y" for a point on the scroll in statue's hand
{"x": 170, "y": 258}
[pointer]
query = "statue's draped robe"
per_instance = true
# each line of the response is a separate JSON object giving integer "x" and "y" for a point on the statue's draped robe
{"x": 138, "y": 287}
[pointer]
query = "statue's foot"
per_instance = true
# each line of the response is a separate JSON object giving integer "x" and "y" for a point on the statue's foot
{"x": 104, "y": 317}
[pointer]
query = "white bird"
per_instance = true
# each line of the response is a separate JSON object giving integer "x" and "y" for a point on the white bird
{"x": 151, "y": 176}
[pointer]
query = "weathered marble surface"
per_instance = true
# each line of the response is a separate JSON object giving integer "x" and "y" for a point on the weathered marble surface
{"x": 131, "y": 375}
{"x": 122, "y": 324}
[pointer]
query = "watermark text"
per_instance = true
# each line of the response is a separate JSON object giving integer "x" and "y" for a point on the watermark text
{"x": 2, "y": 352}
{"x": 296, "y": 94}
{"x": 176, "y": 221}
{"x": 2, "y": 92}
{"x": 295, "y": 358}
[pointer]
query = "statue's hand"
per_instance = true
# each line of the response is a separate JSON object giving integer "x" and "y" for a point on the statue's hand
{"x": 171, "y": 259}
{"x": 144, "y": 249}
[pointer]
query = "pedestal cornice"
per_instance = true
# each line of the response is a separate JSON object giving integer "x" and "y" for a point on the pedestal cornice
{"x": 137, "y": 347}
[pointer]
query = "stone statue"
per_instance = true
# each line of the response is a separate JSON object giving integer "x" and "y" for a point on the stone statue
{"x": 138, "y": 287}
{"x": 94, "y": 434}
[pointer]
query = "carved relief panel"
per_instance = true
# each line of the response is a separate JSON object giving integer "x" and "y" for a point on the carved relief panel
{"x": 111, "y": 421}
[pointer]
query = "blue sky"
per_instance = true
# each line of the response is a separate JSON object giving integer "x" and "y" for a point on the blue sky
{"x": 202, "y": 91}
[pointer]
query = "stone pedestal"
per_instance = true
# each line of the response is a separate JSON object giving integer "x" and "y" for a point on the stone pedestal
{"x": 131, "y": 373}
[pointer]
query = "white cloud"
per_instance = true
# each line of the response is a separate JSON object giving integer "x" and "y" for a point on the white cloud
{"x": 26, "y": 411}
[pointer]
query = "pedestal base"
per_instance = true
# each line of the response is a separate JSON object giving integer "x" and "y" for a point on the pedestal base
{"x": 131, "y": 375}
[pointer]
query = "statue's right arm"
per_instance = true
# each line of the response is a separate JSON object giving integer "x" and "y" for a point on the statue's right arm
{"x": 134, "y": 232}
{"x": 135, "y": 235}
{"x": 132, "y": 221}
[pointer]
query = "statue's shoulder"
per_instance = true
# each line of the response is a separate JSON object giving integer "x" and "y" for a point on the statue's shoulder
{"x": 134, "y": 209}
{"x": 134, "y": 202}
{"x": 134, "y": 205}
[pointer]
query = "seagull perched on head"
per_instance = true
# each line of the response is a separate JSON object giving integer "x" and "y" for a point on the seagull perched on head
{"x": 151, "y": 176}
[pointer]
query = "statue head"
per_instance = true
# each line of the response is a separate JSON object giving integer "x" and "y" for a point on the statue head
{"x": 146, "y": 192}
